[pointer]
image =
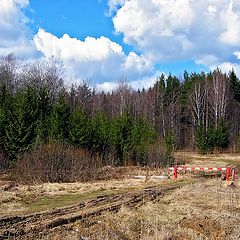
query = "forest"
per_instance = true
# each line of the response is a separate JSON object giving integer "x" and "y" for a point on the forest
{"x": 55, "y": 132}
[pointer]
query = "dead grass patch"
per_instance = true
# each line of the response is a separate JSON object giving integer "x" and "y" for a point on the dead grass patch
{"x": 208, "y": 210}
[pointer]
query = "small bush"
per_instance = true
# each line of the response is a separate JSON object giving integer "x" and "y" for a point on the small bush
{"x": 57, "y": 163}
{"x": 159, "y": 157}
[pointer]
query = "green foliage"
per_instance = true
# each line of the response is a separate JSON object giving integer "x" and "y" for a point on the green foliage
{"x": 44, "y": 108}
{"x": 221, "y": 134}
{"x": 201, "y": 139}
{"x": 35, "y": 109}
{"x": 101, "y": 135}
{"x": 80, "y": 129}
{"x": 59, "y": 121}
{"x": 121, "y": 136}
{"x": 21, "y": 123}
{"x": 170, "y": 143}
{"x": 210, "y": 138}
{"x": 213, "y": 137}
{"x": 185, "y": 89}
{"x": 142, "y": 136}
{"x": 235, "y": 85}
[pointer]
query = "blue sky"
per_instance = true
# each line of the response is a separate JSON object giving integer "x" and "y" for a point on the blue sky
{"x": 82, "y": 18}
{"x": 106, "y": 40}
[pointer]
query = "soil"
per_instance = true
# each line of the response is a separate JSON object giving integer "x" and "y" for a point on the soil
{"x": 41, "y": 224}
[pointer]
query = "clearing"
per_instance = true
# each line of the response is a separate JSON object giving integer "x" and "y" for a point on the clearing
{"x": 191, "y": 207}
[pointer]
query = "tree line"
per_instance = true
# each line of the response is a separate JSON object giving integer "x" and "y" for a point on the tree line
{"x": 197, "y": 111}
{"x": 36, "y": 108}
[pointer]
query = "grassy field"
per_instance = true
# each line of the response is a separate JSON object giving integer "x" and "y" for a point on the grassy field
{"x": 201, "y": 208}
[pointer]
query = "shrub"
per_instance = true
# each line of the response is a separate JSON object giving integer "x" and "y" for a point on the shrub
{"x": 57, "y": 163}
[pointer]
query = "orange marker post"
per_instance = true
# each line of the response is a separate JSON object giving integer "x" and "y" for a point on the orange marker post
{"x": 228, "y": 170}
{"x": 175, "y": 172}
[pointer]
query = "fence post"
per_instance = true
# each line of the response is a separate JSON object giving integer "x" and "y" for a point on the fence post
{"x": 228, "y": 170}
{"x": 175, "y": 171}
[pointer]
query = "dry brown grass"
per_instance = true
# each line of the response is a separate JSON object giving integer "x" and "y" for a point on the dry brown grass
{"x": 203, "y": 210}
{"x": 20, "y": 197}
{"x": 208, "y": 160}
{"x": 207, "y": 210}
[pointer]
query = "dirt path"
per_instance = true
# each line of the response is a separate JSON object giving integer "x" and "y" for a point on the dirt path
{"x": 27, "y": 226}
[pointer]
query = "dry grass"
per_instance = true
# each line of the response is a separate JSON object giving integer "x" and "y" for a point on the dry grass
{"x": 37, "y": 197}
{"x": 209, "y": 160}
{"x": 207, "y": 210}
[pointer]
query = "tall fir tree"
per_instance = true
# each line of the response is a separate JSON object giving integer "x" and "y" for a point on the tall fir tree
{"x": 121, "y": 133}
{"x": 20, "y": 126}
{"x": 101, "y": 135}
{"x": 59, "y": 121}
{"x": 221, "y": 134}
{"x": 81, "y": 130}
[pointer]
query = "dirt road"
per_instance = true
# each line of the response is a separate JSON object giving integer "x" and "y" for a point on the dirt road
{"x": 39, "y": 224}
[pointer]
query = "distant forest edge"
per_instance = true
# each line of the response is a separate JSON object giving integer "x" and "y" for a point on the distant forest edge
{"x": 46, "y": 127}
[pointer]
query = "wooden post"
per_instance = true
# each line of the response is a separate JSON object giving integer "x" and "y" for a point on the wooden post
{"x": 228, "y": 170}
{"x": 175, "y": 172}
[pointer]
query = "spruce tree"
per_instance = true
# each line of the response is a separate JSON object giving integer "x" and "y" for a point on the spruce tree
{"x": 201, "y": 139}
{"x": 81, "y": 130}
{"x": 142, "y": 136}
{"x": 101, "y": 135}
{"x": 121, "y": 133}
{"x": 45, "y": 108}
{"x": 21, "y": 123}
{"x": 59, "y": 121}
{"x": 221, "y": 134}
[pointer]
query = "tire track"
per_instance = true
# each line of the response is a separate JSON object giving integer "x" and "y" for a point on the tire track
{"x": 26, "y": 226}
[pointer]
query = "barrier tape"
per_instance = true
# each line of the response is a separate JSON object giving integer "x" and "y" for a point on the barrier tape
{"x": 208, "y": 169}
{"x": 199, "y": 168}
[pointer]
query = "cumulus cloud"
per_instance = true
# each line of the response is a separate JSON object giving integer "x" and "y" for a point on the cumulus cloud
{"x": 97, "y": 59}
{"x": 227, "y": 66}
{"x": 15, "y": 36}
{"x": 206, "y": 31}
{"x": 145, "y": 82}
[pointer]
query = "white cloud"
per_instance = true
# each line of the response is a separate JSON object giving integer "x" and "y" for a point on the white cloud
{"x": 15, "y": 36}
{"x": 237, "y": 54}
{"x": 227, "y": 66}
{"x": 145, "y": 82}
{"x": 106, "y": 86}
{"x": 97, "y": 59}
{"x": 205, "y": 31}
{"x": 230, "y": 19}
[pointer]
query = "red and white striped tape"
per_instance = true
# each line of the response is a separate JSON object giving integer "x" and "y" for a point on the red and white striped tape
{"x": 199, "y": 168}
{"x": 207, "y": 169}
